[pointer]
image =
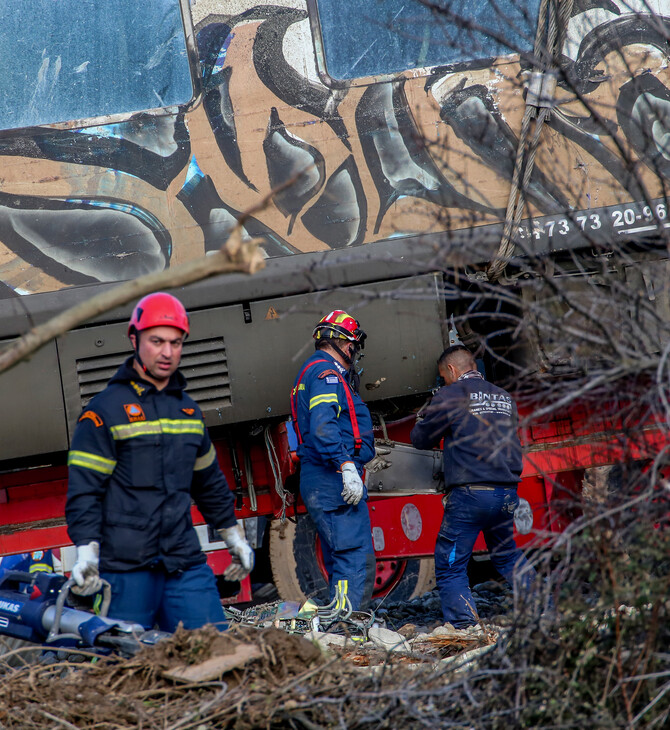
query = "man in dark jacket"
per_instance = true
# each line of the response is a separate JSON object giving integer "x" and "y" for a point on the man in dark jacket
{"x": 482, "y": 467}
{"x": 334, "y": 430}
{"x": 140, "y": 453}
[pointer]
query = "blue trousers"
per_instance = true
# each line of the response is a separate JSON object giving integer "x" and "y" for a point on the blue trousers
{"x": 467, "y": 512}
{"x": 345, "y": 532}
{"x": 154, "y": 597}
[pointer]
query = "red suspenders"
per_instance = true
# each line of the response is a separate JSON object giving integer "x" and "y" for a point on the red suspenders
{"x": 358, "y": 442}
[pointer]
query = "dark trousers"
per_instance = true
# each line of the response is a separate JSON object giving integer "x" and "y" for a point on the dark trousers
{"x": 345, "y": 532}
{"x": 469, "y": 511}
{"x": 154, "y": 597}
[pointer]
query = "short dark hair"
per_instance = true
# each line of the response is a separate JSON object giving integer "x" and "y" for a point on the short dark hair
{"x": 453, "y": 352}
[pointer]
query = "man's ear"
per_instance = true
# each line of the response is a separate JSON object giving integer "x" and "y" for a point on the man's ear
{"x": 133, "y": 341}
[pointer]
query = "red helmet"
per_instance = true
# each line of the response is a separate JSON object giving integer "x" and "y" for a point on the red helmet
{"x": 157, "y": 310}
{"x": 341, "y": 326}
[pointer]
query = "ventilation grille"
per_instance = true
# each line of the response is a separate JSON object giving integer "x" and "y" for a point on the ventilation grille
{"x": 204, "y": 364}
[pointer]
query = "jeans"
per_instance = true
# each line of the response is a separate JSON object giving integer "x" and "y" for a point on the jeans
{"x": 154, "y": 597}
{"x": 345, "y": 532}
{"x": 469, "y": 511}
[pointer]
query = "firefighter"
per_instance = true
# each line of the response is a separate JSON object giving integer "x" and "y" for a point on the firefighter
{"x": 334, "y": 430}
{"x": 140, "y": 453}
{"x": 482, "y": 467}
{"x": 40, "y": 561}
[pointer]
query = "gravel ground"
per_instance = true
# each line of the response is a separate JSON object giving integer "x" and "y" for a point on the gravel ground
{"x": 493, "y": 601}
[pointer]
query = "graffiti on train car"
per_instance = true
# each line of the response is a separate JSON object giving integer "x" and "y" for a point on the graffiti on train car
{"x": 421, "y": 151}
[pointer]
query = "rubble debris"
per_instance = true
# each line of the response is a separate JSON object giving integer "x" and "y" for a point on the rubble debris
{"x": 387, "y": 639}
{"x": 326, "y": 640}
{"x": 301, "y": 619}
{"x": 270, "y": 662}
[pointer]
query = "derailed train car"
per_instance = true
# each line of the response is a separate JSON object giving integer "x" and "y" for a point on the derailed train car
{"x": 134, "y": 138}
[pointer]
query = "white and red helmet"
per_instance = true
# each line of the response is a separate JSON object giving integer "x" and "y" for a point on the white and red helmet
{"x": 157, "y": 310}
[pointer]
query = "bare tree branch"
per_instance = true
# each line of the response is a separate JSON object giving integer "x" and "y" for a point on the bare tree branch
{"x": 235, "y": 256}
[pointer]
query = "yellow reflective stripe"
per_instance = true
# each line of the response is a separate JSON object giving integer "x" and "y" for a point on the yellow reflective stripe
{"x": 170, "y": 425}
{"x": 202, "y": 462}
{"x": 40, "y": 568}
{"x": 163, "y": 425}
{"x": 130, "y": 430}
{"x": 326, "y": 398}
{"x": 340, "y": 594}
{"x": 91, "y": 461}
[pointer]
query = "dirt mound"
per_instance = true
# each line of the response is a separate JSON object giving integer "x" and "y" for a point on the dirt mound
{"x": 111, "y": 692}
{"x": 244, "y": 678}
{"x": 201, "y": 680}
{"x": 282, "y": 654}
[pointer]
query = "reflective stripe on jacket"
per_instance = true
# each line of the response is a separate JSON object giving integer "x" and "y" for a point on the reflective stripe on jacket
{"x": 324, "y": 420}
{"x": 138, "y": 458}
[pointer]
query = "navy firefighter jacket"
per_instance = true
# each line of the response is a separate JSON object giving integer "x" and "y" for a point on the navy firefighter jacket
{"x": 478, "y": 421}
{"x": 139, "y": 456}
{"x": 324, "y": 419}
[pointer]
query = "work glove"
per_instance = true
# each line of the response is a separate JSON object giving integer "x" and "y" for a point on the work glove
{"x": 85, "y": 570}
{"x": 241, "y": 552}
{"x": 379, "y": 461}
{"x": 353, "y": 484}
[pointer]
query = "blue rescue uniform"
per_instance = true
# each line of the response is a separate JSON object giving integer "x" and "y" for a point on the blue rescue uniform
{"x": 327, "y": 433}
{"x": 482, "y": 461}
{"x": 41, "y": 561}
{"x": 139, "y": 456}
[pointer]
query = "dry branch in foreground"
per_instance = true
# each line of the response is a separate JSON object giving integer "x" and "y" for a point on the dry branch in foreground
{"x": 235, "y": 256}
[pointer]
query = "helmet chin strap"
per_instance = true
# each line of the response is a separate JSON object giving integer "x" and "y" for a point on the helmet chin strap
{"x": 136, "y": 350}
{"x": 352, "y": 375}
{"x": 347, "y": 358}
{"x": 353, "y": 378}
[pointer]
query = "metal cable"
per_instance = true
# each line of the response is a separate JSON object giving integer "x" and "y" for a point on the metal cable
{"x": 276, "y": 471}
{"x": 253, "y": 501}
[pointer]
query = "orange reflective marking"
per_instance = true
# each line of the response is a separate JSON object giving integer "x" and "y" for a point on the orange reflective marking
{"x": 93, "y": 416}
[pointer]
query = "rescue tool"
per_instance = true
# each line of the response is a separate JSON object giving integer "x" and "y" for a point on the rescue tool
{"x": 40, "y": 608}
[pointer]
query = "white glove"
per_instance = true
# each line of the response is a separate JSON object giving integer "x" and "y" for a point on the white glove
{"x": 85, "y": 570}
{"x": 241, "y": 552}
{"x": 353, "y": 484}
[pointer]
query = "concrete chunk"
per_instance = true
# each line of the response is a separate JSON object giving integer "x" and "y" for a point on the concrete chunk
{"x": 387, "y": 639}
{"x": 327, "y": 639}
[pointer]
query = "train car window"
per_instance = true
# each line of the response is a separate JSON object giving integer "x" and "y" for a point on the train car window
{"x": 363, "y": 38}
{"x": 67, "y": 60}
